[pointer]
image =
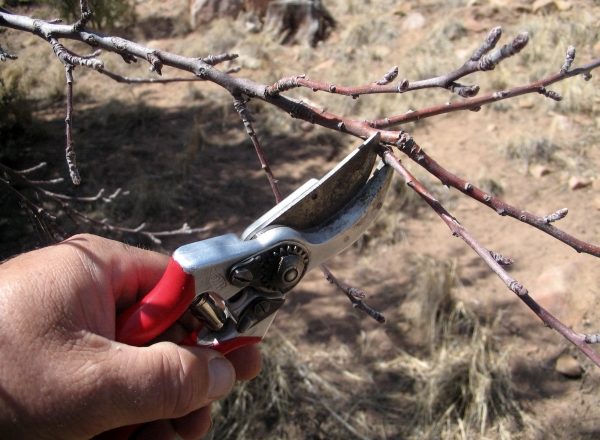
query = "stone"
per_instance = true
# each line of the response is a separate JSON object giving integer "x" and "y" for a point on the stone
{"x": 539, "y": 170}
{"x": 578, "y": 182}
{"x": 568, "y": 366}
{"x": 413, "y": 21}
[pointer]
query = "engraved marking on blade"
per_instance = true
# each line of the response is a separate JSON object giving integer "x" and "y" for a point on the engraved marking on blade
{"x": 216, "y": 280}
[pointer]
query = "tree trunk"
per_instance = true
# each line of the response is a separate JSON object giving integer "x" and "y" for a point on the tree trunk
{"x": 291, "y": 21}
{"x": 298, "y": 21}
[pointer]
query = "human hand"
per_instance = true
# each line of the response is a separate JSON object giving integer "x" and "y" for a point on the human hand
{"x": 62, "y": 375}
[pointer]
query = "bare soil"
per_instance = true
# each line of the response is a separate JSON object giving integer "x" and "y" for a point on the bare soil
{"x": 181, "y": 155}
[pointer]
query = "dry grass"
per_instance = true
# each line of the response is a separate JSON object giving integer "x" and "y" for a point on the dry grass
{"x": 537, "y": 150}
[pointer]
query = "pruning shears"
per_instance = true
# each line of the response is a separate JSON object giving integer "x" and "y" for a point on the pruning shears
{"x": 235, "y": 284}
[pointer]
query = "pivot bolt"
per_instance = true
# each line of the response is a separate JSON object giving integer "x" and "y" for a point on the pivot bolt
{"x": 290, "y": 275}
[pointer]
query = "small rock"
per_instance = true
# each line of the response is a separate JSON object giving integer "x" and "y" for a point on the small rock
{"x": 527, "y": 103}
{"x": 562, "y": 123}
{"x": 578, "y": 182}
{"x": 539, "y": 170}
{"x": 414, "y": 20}
{"x": 596, "y": 203}
{"x": 568, "y": 366}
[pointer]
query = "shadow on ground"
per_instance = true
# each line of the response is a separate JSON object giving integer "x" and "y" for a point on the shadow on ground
{"x": 194, "y": 165}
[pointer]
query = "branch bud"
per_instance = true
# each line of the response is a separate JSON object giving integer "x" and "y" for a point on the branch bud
{"x": 556, "y": 216}
{"x": 550, "y": 94}
{"x": 388, "y": 77}
{"x": 569, "y": 58}
{"x": 490, "y": 42}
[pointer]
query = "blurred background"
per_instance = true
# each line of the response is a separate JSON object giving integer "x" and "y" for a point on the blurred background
{"x": 459, "y": 356}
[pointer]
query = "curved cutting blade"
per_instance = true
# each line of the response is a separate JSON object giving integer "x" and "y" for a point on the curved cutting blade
{"x": 319, "y": 200}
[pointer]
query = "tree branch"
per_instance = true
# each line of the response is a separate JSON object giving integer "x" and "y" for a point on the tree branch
{"x": 240, "y": 106}
{"x": 580, "y": 340}
{"x": 543, "y": 223}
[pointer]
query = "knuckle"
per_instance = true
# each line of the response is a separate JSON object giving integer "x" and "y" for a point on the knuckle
{"x": 185, "y": 380}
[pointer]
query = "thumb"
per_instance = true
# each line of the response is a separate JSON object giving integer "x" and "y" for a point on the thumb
{"x": 164, "y": 381}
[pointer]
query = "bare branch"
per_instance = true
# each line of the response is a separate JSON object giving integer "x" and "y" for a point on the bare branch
{"x": 29, "y": 170}
{"x": 213, "y": 60}
{"x": 69, "y": 149}
{"x": 86, "y": 15}
{"x": 478, "y": 102}
{"x": 14, "y": 178}
{"x": 447, "y": 178}
{"x": 481, "y": 60}
{"x": 356, "y": 296}
{"x": 69, "y": 58}
{"x": 580, "y": 340}
{"x": 6, "y": 56}
{"x": 129, "y": 80}
{"x": 240, "y": 106}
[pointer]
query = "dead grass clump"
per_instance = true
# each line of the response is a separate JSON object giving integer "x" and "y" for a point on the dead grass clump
{"x": 433, "y": 283}
{"x": 288, "y": 400}
{"x": 532, "y": 151}
{"x": 467, "y": 391}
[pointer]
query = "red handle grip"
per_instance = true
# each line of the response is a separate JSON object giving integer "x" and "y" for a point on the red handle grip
{"x": 159, "y": 309}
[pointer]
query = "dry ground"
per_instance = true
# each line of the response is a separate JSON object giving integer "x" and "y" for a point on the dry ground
{"x": 459, "y": 355}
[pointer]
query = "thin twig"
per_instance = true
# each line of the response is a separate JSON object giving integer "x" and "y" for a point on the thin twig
{"x": 355, "y": 295}
{"x": 86, "y": 15}
{"x": 240, "y": 106}
{"x": 6, "y": 56}
{"x": 69, "y": 149}
{"x": 476, "y": 103}
{"x": 481, "y": 60}
{"x": 64, "y": 201}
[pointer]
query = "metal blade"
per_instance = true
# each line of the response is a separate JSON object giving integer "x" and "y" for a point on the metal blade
{"x": 350, "y": 223}
{"x": 317, "y": 201}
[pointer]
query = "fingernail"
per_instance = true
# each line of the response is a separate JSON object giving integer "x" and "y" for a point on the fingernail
{"x": 221, "y": 378}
